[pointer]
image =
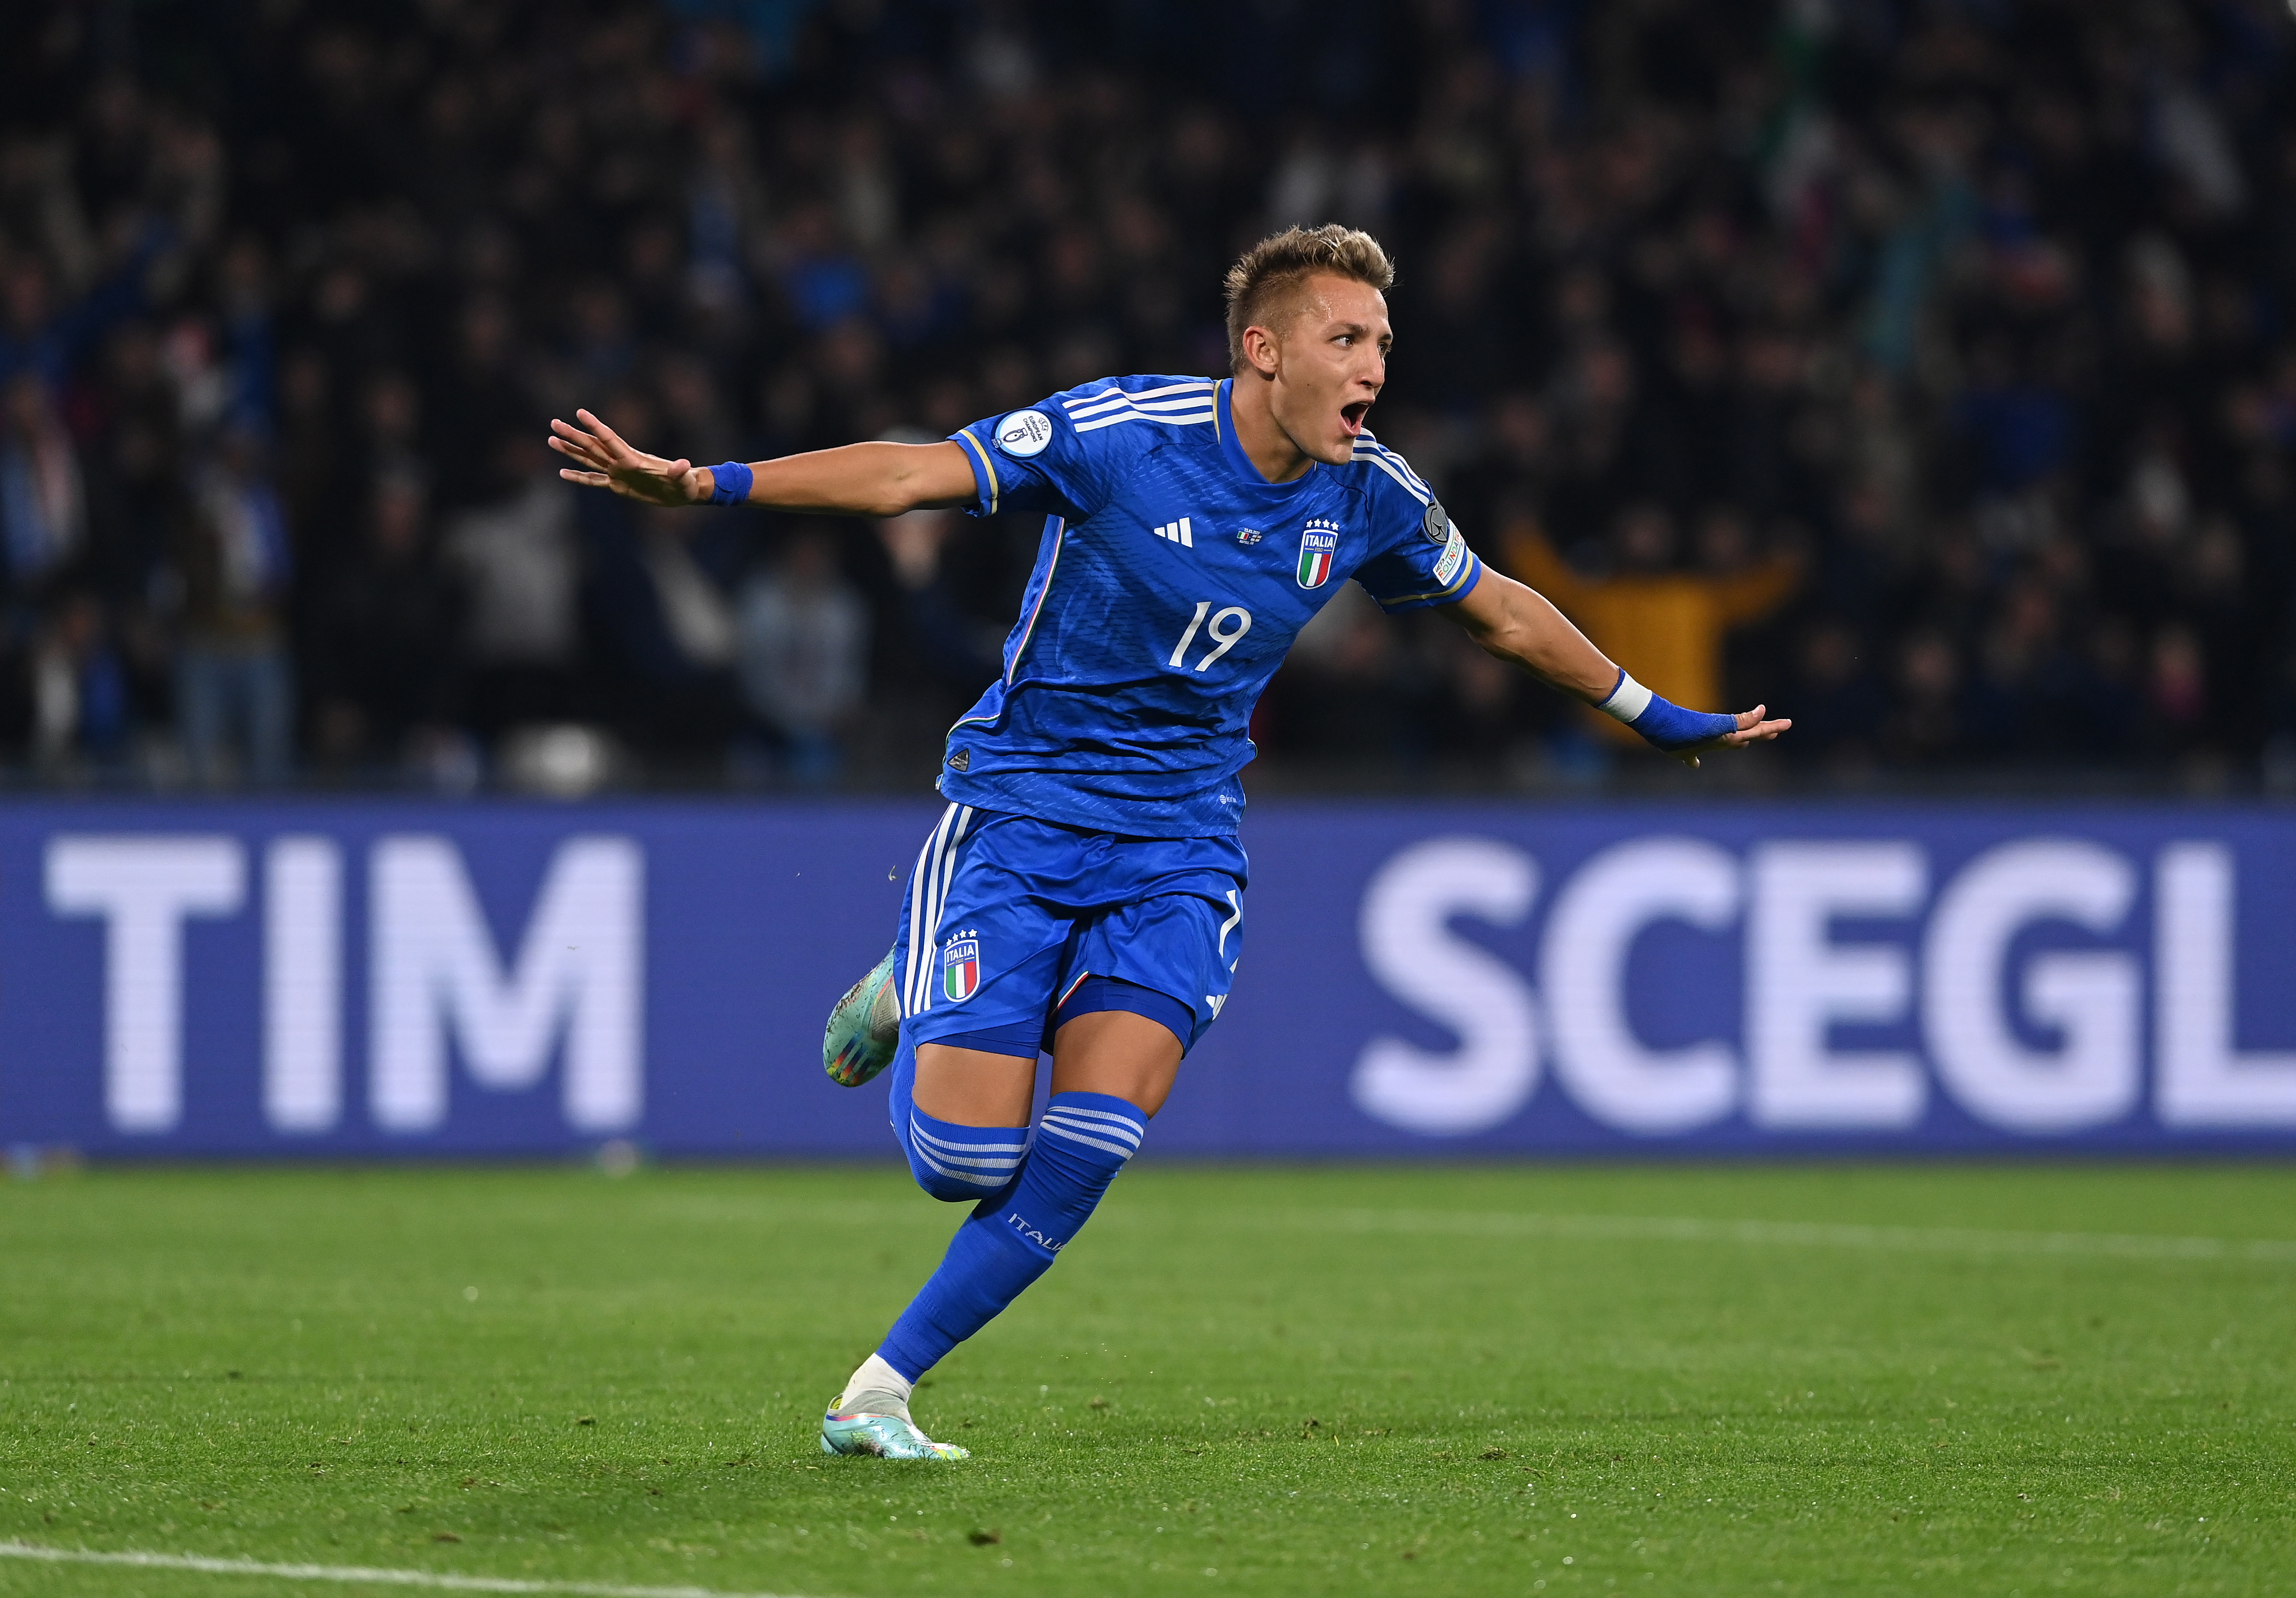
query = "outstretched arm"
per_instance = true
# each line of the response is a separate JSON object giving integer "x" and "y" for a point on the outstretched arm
{"x": 857, "y": 480}
{"x": 1517, "y": 624}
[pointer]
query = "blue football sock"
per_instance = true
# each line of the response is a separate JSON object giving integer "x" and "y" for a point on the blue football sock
{"x": 949, "y": 1161}
{"x": 1013, "y": 1239}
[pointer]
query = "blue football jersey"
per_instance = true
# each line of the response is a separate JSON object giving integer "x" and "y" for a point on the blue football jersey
{"x": 1172, "y": 580}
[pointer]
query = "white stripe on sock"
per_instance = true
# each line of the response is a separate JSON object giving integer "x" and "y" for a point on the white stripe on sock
{"x": 1012, "y": 1150}
{"x": 968, "y": 1178}
{"x": 1074, "y": 1136}
{"x": 1115, "y": 1127}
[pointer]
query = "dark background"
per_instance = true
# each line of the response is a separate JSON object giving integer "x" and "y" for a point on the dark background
{"x": 1972, "y": 320}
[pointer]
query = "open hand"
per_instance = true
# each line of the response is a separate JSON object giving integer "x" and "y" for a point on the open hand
{"x": 1752, "y": 729}
{"x": 602, "y": 460}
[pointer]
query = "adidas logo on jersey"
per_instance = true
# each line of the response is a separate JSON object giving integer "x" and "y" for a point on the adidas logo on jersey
{"x": 1179, "y": 533}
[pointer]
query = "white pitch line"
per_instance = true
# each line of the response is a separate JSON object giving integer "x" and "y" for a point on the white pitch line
{"x": 1684, "y": 1228}
{"x": 355, "y": 1573}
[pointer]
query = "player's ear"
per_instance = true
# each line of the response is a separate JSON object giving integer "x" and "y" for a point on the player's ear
{"x": 1261, "y": 352}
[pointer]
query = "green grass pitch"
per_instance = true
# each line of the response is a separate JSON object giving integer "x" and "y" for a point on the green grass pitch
{"x": 1382, "y": 1380}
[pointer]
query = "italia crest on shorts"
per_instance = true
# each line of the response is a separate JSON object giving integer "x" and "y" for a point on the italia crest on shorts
{"x": 1319, "y": 543}
{"x": 960, "y": 968}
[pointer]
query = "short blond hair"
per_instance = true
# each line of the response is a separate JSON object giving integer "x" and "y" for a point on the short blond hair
{"x": 1274, "y": 269}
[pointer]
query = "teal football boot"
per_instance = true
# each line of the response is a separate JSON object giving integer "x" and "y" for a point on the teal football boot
{"x": 884, "y": 1435}
{"x": 865, "y": 1028}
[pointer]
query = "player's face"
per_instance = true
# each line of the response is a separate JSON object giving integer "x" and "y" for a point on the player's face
{"x": 1331, "y": 366}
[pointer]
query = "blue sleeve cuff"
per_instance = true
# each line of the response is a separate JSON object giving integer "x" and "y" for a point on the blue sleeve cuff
{"x": 987, "y": 490}
{"x": 1461, "y": 587}
{"x": 1472, "y": 580}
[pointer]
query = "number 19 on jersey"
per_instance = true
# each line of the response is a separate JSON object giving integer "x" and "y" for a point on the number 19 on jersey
{"x": 1226, "y": 629}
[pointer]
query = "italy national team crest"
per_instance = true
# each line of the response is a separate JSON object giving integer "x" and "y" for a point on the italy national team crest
{"x": 960, "y": 968}
{"x": 1319, "y": 545}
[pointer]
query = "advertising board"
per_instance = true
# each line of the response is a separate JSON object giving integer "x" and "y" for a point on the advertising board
{"x": 381, "y": 979}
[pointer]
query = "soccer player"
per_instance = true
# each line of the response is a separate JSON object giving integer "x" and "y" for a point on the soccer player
{"x": 1083, "y": 891}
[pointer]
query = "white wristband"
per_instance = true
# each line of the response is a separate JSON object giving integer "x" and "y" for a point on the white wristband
{"x": 1629, "y": 700}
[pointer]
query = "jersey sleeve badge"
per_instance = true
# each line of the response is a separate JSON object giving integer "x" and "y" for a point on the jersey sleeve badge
{"x": 1454, "y": 556}
{"x": 1024, "y": 433}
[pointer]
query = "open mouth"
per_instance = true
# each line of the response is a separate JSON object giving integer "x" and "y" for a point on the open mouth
{"x": 1351, "y": 417}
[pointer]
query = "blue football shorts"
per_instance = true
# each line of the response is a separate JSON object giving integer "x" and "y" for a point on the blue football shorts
{"x": 1008, "y": 917}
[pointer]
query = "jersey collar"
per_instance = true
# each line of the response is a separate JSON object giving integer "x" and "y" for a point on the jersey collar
{"x": 1224, "y": 424}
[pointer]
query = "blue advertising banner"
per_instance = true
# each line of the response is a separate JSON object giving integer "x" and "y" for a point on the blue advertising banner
{"x": 370, "y": 978}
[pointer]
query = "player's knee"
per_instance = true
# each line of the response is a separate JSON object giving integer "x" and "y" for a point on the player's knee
{"x": 968, "y": 1163}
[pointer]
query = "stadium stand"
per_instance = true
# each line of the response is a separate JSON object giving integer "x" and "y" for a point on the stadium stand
{"x": 1974, "y": 318}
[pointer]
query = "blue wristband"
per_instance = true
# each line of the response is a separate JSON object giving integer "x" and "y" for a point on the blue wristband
{"x": 1670, "y": 726}
{"x": 1665, "y": 724}
{"x": 732, "y": 483}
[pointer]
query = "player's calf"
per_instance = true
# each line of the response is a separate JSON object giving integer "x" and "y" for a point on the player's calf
{"x": 1010, "y": 1240}
{"x": 1082, "y": 1143}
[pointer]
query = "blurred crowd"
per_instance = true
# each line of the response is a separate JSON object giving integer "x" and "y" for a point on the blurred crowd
{"x": 1924, "y": 368}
